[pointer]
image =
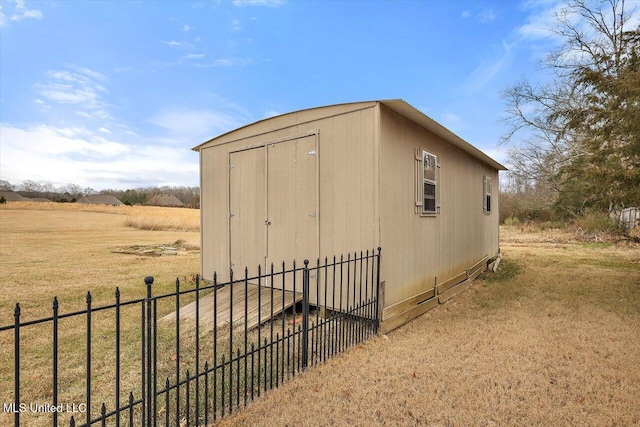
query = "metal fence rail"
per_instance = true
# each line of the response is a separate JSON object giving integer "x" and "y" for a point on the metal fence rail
{"x": 192, "y": 367}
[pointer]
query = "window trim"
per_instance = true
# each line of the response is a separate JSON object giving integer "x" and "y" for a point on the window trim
{"x": 421, "y": 181}
{"x": 427, "y": 181}
{"x": 487, "y": 195}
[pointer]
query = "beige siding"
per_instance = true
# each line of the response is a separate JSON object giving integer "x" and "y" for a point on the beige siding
{"x": 345, "y": 181}
{"x": 280, "y": 125}
{"x": 362, "y": 184}
{"x": 214, "y": 211}
{"x": 292, "y": 232}
{"x": 417, "y": 249}
{"x": 248, "y": 208}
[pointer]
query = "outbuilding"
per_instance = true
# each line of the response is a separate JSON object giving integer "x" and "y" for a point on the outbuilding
{"x": 344, "y": 178}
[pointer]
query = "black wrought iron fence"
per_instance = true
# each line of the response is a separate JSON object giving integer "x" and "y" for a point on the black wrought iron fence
{"x": 191, "y": 364}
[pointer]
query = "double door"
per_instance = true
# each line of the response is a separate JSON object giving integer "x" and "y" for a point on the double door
{"x": 273, "y": 205}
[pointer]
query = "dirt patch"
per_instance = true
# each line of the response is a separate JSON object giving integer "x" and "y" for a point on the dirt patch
{"x": 179, "y": 247}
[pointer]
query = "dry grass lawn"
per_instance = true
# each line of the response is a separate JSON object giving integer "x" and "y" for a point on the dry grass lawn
{"x": 552, "y": 339}
{"x": 64, "y": 251}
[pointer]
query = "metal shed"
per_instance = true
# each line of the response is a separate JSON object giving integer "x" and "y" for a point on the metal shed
{"x": 348, "y": 177}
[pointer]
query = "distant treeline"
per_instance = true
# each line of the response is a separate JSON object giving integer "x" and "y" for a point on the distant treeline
{"x": 70, "y": 193}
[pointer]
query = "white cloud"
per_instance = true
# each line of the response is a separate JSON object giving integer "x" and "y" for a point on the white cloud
{"x": 67, "y": 94}
{"x": 543, "y": 16}
{"x": 224, "y": 62}
{"x": 22, "y": 12}
{"x": 77, "y": 155}
{"x": 268, "y": 3}
{"x": 187, "y": 28}
{"x": 194, "y": 56}
{"x": 486, "y": 15}
{"x": 236, "y": 25}
{"x": 89, "y": 73}
{"x": 180, "y": 45}
{"x": 499, "y": 154}
{"x": 271, "y": 113}
{"x": 451, "y": 119}
{"x": 533, "y": 34}
{"x": 94, "y": 114}
{"x": 197, "y": 60}
{"x": 193, "y": 126}
{"x": 80, "y": 88}
{"x": 104, "y": 130}
{"x": 489, "y": 68}
{"x": 3, "y": 17}
{"x": 49, "y": 140}
{"x": 539, "y": 22}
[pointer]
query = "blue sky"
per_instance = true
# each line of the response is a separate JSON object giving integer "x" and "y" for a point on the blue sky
{"x": 114, "y": 94}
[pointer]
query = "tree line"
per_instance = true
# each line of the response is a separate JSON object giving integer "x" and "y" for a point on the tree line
{"x": 575, "y": 140}
{"x": 70, "y": 193}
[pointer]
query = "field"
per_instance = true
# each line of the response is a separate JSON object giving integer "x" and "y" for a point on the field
{"x": 52, "y": 250}
{"x": 551, "y": 339}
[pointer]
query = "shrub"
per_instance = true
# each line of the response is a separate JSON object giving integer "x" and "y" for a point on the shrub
{"x": 511, "y": 221}
{"x": 596, "y": 221}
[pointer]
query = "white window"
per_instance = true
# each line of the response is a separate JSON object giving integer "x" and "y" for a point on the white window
{"x": 487, "y": 194}
{"x": 429, "y": 172}
{"x": 426, "y": 183}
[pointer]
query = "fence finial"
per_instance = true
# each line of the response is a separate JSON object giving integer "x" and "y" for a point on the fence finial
{"x": 148, "y": 280}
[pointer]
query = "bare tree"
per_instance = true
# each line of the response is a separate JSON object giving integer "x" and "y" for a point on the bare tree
{"x": 6, "y": 185}
{"x": 582, "y": 130}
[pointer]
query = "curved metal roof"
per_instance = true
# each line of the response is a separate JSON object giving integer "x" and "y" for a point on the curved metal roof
{"x": 407, "y": 110}
{"x": 410, "y": 112}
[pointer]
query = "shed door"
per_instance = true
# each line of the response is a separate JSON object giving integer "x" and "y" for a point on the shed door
{"x": 292, "y": 201}
{"x": 247, "y": 209}
{"x": 273, "y": 204}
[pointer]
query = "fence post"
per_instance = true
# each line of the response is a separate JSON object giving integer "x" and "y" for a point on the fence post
{"x": 55, "y": 359}
{"x": 16, "y": 365}
{"x": 88, "y": 412}
{"x": 305, "y": 314}
{"x": 148, "y": 404}
{"x": 378, "y": 292}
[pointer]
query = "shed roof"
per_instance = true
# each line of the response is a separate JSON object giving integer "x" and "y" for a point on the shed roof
{"x": 407, "y": 110}
{"x": 417, "y": 116}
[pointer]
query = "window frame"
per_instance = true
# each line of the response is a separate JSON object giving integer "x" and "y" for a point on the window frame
{"x": 487, "y": 195}
{"x": 423, "y": 182}
{"x": 428, "y": 181}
